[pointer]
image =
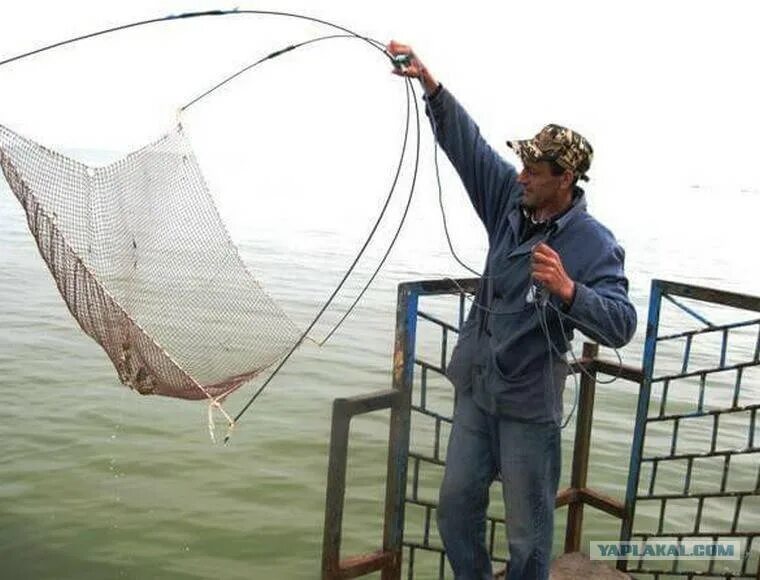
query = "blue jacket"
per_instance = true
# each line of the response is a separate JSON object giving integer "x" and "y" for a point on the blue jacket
{"x": 502, "y": 354}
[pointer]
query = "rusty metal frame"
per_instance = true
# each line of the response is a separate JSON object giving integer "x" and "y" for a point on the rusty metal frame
{"x": 388, "y": 560}
{"x": 669, "y": 291}
{"x": 398, "y": 399}
{"x": 579, "y": 494}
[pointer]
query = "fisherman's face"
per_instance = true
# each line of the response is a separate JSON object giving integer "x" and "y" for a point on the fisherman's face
{"x": 540, "y": 187}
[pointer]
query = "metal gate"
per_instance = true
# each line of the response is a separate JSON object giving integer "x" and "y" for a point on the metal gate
{"x": 699, "y": 386}
{"x": 695, "y": 463}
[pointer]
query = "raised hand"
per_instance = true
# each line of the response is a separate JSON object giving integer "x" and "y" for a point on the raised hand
{"x": 414, "y": 68}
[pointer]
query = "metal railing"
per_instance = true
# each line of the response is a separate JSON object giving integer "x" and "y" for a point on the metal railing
{"x": 387, "y": 560}
{"x": 698, "y": 392}
{"x": 410, "y": 398}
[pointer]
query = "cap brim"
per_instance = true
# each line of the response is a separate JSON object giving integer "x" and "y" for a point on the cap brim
{"x": 526, "y": 149}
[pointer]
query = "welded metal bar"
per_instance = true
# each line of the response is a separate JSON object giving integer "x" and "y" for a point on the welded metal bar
{"x": 687, "y": 479}
{"x": 698, "y": 517}
{"x": 757, "y": 346}
{"x": 723, "y": 348}
{"x": 581, "y": 451}
{"x": 426, "y": 503}
{"x": 714, "y": 438}
{"x": 343, "y": 411}
{"x": 704, "y": 455}
{"x": 642, "y": 410}
{"x": 432, "y": 414}
{"x": 751, "y": 434}
{"x": 423, "y": 387}
{"x": 429, "y": 366}
{"x": 701, "y": 402}
{"x": 654, "y": 476}
{"x": 428, "y": 517}
{"x": 444, "y": 286}
{"x": 711, "y": 566}
{"x": 716, "y": 328}
{"x": 368, "y": 403}
{"x": 688, "y": 310}
{"x": 400, "y": 427}
{"x": 674, "y": 565}
{"x": 336, "y": 490}
{"x": 694, "y": 414}
{"x": 697, "y": 495}
{"x": 444, "y": 347}
{"x": 565, "y": 497}
{"x": 415, "y": 477}
{"x": 601, "y": 502}
{"x": 746, "y": 560}
{"x": 707, "y": 371}
{"x": 692, "y": 534}
{"x": 737, "y": 512}
{"x": 492, "y": 539}
{"x": 724, "y": 477}
{"x": 737, "y": 388}
{"x": 674, "y": 440}
{"x": 734, "y": 299}
{"x": 426, "y": 458}
{"x": 661, "y": 518}
{"x": 418, "y": 546}
{"x": 442, "y": 323}
{"x": 663, "y": 402}
{"x": 437, "y": 442}
{"x": 686, "y": 354}
{"x": 613, "y": 369}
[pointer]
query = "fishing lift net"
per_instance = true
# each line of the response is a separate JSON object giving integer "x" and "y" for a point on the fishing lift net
{"x": 146, "y": 267}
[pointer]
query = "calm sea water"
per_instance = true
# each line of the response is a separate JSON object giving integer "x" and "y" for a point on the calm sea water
{"x": 99, "y": 482}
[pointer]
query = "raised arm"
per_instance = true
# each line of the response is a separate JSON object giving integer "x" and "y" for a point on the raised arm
{"x": 490, "y": 181}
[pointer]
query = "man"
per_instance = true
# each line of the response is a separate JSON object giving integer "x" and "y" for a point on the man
{"x": 550, "y": 267}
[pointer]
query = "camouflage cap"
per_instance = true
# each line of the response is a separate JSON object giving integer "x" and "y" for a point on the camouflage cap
{"x": 556, "y": 143}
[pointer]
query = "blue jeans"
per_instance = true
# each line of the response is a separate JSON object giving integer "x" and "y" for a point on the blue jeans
{"x": 528, "y": 457}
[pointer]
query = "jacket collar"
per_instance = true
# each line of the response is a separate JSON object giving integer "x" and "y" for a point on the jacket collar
{"x": 577, "y": 206}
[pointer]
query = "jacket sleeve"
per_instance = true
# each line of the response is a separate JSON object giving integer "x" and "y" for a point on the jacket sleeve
{"x": 490, "y": 181}
{"x": 601, "y": 308}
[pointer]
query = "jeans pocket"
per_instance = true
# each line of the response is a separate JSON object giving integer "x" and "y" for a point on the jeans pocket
{"x": 460, "y": 366}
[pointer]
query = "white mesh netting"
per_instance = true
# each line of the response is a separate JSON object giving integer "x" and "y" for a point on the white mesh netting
{"x": 147, "y": 268}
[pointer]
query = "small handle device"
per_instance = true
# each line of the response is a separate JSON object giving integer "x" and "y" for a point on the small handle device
{"x": 401, "y": 61}
{"x": 537, "y": 293}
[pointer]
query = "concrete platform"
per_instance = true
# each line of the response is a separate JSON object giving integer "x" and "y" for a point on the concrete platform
{"x": 577, "y": 566}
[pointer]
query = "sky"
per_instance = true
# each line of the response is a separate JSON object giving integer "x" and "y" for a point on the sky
{"x": 667, "y": 93}
{"x": 670, "y": 84}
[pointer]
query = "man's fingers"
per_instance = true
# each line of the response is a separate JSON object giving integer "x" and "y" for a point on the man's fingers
{"x": 542, "y": 258}
{"x": 406, "y": 72}
{"x": 543, "y": 278}
{"x": 543, "y": 249}
{"x": 544, "y": 271}
{"x": 546, "y": 261}
{"x": 396, "y": 48}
